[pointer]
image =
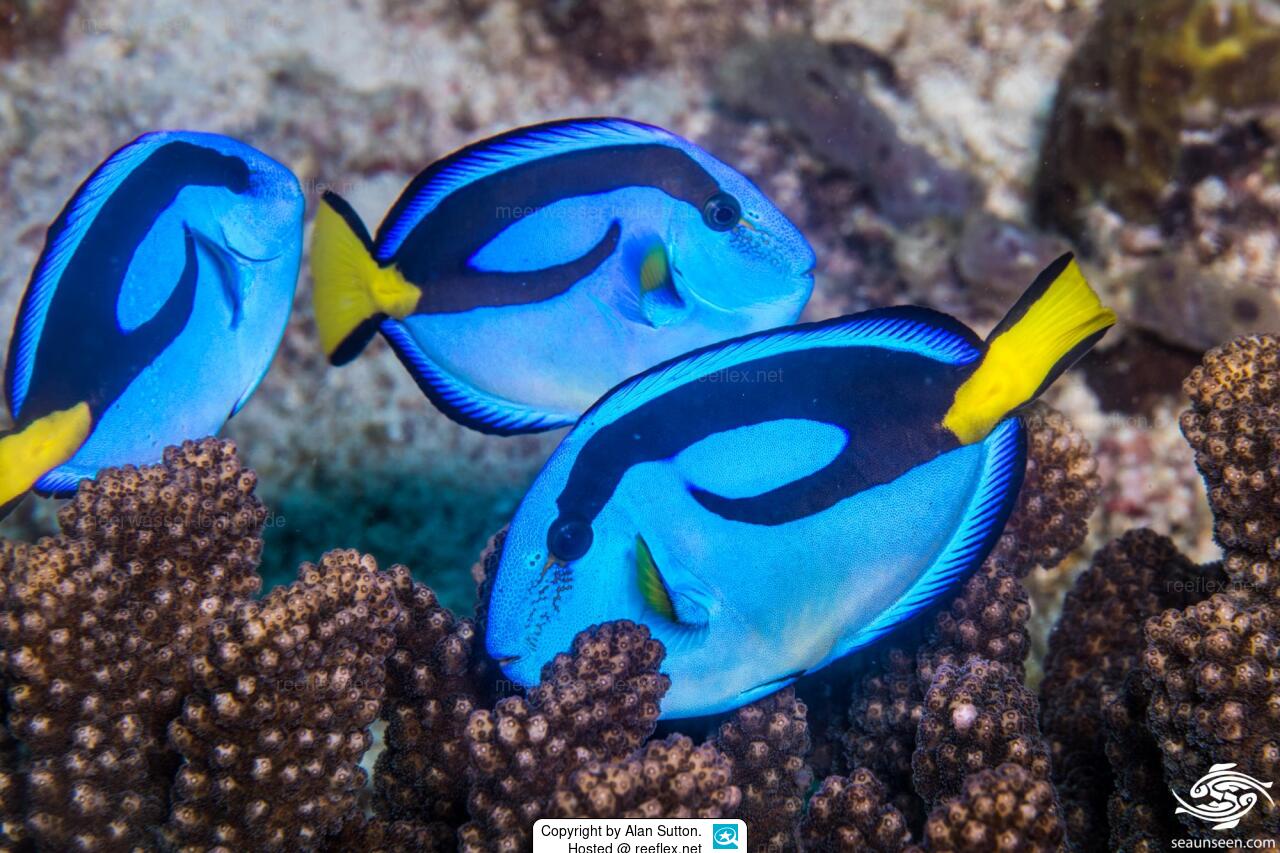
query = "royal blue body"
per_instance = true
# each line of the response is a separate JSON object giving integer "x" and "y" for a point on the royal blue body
{"x": 794, "y": 489}
{"x": 160, "y": 298}
{"x": 528, "y": 249}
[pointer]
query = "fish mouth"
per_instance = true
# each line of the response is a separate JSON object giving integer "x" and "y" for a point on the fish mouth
{"x": 507, "y": 660}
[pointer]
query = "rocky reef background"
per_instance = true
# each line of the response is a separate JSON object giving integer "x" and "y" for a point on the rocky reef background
{"x": 933, "y": 152}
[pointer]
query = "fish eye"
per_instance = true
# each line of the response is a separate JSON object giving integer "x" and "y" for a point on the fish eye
{"x": 721, "y": 212}
{"x": 569, "y": 538}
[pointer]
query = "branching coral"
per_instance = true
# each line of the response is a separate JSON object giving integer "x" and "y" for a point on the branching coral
{"x": 883, "y": 718}
{"x": 99, "y": 625}
{"x": 1097, "y": 642}
{"x": 598, "y": 703}
{"x": 1167, "y": 668}
{"x": 768, "y": 741}
{"x": 273, "y": 733}
{"x": 1140, "y": 809}
{"x": 1213, "y": 670}
{"x": 1059, "y": 493}
{"x": 1008, "y": 808}
{"x": 378, "y": 835}
{"x": 154, "y": 702}
{"x": 1234, "y": 427}
{"x": 975, "y": 717}
{"x": 852, "y": 814}
{"x": 432, "y": 691}
{"x": 668, "y": 778}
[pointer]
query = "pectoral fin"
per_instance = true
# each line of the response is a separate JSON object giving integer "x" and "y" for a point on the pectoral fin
{"x": 228, "y": 271}
{"x": 680, "y": 603}
{"x": 652, "y": 587}
{"x": 660, "y": 301}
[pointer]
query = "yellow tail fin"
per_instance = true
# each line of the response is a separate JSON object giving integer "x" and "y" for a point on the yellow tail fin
{"x": 43, "y": 445}
{"x": 1054, "y": 323}
{"x": 351, "y": 292}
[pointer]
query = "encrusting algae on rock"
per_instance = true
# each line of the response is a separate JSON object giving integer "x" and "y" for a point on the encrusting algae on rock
{"x": 155, "y": 701}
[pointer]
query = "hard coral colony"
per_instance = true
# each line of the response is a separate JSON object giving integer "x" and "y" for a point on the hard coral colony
{"x": 153, "y": 701}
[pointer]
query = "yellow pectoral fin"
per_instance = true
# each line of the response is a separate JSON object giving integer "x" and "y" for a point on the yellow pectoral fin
{"x": 649, "y": 579}
{"x": 1052, "y": 325}
{"x": 655, "y": 269}
{"x": 43, "y": 445}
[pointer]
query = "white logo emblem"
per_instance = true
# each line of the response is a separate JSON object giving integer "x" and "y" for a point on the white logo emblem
{"x": 1230, "y": 794}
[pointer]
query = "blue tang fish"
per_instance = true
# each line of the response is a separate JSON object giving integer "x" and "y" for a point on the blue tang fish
{"x": 768, "y": 505}
{"x": 522, "y": 277}
{"x": 154, "y": 310}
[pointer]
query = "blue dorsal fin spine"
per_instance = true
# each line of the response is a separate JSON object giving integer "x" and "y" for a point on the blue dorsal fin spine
{"x": 462, "y": 403}
{"x": 488, "y": 156}
{"x": 923, "y": 331}
{"x": 62, "y": 238}
{"x": 983, "y": 522}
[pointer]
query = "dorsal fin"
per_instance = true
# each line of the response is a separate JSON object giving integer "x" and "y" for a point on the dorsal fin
{"x": 63, "y": 236}
{"x": 500, "y": 152}
{"x": 903, "y": 328}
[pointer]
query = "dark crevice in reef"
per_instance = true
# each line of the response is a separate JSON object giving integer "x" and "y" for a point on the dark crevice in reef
{"x": 1138, "y": 373}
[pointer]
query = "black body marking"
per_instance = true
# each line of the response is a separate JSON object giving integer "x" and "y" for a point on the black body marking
{"x": 856, "y": 388}
{"x": 83, "y": 355}
{"x": 436, "y": 253}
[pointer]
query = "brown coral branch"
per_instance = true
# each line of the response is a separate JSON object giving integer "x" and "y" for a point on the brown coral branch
{"x": 1096, "y": 643}
{"x": 852, "y": 814}
{"x": 597, "y": 703}
{"x": 976, "y": 717}
{"x": 273, "y": 733}
{"x": 100, "y": 625}
{"x": 1234, "y": 427}
{"x": 670, "y": 778}
{"x": 768, "y": 742}
{"x": 1008, "y": 808}
{"x": 432, "y": 688}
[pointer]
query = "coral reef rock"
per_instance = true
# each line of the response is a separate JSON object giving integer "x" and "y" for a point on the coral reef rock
{"x": 806, "y": 85}
{"x": 1160, "y": 159}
